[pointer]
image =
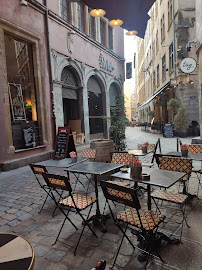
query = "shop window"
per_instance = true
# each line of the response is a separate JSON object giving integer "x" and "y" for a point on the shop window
{"x": 91, "y": 25}
{"x": 65, "y": 10}
{"x": 102, "y": 32}
{"x": 110, "y": 33}
{"x": 80, "y": 8}
{"x": 25, "y": 121}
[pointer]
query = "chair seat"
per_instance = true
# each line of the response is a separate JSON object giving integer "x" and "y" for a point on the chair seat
{"x": 81, "y": 201}
{"x": 169, "y": 196}
{"x": 123, "y": 184}
{"x": 150, "y": 220}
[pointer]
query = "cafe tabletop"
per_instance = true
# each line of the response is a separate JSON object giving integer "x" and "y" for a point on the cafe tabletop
{"x": 16, "y": 252}
{"x": 62, "y": 163}
{"x": 159, "y": 178}
{"x": 193, "y": 156}
{"x": 94, "y": 168}
{"x": 137, "y": 152}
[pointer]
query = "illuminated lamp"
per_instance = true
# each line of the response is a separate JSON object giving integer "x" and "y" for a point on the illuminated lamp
{"x": 131, "y": 33}
{"x": 97, "y": 12}
{"x": 114, "y": 23}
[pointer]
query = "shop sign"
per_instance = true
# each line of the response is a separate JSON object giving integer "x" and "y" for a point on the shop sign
{"x": 188, "y": 65}
{"x": 16, "y": 100}
{"x": 105, "y": 64}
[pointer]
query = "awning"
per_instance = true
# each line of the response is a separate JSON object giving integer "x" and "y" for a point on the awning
{"x": 133, "y": 13}
{"x": 146, "y": 103}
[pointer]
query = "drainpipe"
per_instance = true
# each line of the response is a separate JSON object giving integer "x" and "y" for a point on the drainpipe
{"x": 50, "y": 73}
{"x": 174, "y": 50}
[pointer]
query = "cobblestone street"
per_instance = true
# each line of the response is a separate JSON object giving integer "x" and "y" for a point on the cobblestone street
{"x": 21, "y": 199}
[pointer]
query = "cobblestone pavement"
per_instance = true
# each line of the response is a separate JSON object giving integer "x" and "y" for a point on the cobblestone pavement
{"x": 21, "y": 199}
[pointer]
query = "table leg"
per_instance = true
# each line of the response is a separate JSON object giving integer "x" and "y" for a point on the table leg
{"x": 149, "y": 197}
{"x": 98, "y": 218}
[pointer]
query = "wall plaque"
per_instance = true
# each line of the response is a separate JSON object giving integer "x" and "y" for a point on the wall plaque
{"x": 188, "y": 65}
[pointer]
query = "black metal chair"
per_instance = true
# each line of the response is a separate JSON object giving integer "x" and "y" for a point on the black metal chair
{"x": 39, "y": 170}
{"x": 74, "y": 201}
{"x": 146, "y": 221}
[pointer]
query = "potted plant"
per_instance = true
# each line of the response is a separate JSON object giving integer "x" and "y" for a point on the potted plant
{"x": 118, "y": 123}
{"x": 180, "y": 123}
{"x": 184, "y": 150}
{"x": 144, "y": 147}
{"x": 174, "y": 105}
{"x": 136, "y": 168}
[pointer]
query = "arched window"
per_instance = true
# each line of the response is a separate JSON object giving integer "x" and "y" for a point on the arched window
{"x": 68, "y": 77}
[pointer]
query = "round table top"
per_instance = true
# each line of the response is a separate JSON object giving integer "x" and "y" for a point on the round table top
{"x": 16, "y": 252}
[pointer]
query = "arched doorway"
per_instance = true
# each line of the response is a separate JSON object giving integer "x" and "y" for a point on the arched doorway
{"x": 72, "y": 99}
{"x": 96, "y": 104}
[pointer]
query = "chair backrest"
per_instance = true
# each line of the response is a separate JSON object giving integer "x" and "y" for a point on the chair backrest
{"x": 55, "y": 181}
{"x": 38, "y": 169}
{"x": 195, "y": 148}
{"x": 89, "y": 153}
{"x": 120, "y": 194}
{"x": 177, "y": 164}
{"x": 150, "y": 147}
{"x": 121, "y": 158}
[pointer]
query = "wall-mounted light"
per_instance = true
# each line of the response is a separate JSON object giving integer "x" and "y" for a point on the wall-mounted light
{"x": 23, "y": 3}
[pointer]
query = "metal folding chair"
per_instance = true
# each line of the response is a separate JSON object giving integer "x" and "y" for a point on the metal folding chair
{"x": 39, "y": 170}
{"x": 174, "y": 164}
{"x": 146, "y": 221}
{"x": 74, "y": 201}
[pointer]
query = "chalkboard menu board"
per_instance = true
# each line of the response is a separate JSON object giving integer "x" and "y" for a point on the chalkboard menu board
{"x": 29, "y": 137}
{"x": 168, "y": 131}
{"x": 64, "y": 143}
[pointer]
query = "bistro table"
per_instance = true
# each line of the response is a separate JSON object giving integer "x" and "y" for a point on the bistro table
{"x": 96, "y": 169}
{"x": 62, "y": 163}
{"x": 158, "y": 178}
{"x": 138, "y": 152}
{"x": 16, "y": 252}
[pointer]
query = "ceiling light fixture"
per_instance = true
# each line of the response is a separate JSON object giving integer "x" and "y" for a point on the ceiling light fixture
{"x": 97, "y": 12}
{"x": 131, "y": 33}
{"x": 114, "y": 23}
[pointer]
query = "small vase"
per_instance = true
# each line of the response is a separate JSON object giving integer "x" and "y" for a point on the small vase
{"x": 184, "y": 153}
{"x": 136, "y": 172}
{"x": 144, "y": 149}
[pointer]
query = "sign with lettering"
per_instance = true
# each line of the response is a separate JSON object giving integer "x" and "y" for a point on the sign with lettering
{"x": 188, "y": 65}
{"x": 64, "y": 144}
{"x": 16, "y": 101}
{"x": 168, "y": 131}
{"x": 105, "y": 64}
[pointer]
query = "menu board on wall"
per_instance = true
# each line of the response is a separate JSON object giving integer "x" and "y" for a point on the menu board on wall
{"x": 29, "y": 136}
{"x": 64, "y": 143}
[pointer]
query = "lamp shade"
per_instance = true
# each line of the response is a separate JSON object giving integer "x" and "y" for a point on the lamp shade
{"x": 131, "y": 33}
{"x": 116, "y": 22}
{"x": 97, "y": 12}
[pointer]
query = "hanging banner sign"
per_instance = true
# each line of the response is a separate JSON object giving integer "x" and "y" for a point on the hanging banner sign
{"x": 129, "y": 70}
{"x": 188, "y": 65}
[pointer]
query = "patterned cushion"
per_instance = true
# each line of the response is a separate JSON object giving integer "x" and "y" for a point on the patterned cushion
{"x": 57, "y": 182}
{"x": 195, "y": 148}
{"x": 119, "y": 183}
{"x": 150, "y": 147}
{"x": 81, "y": 201}
{"x": 150, "y": 220}
{"x": 176, "y": 164}
{"x": 120, "y": 194}
{"x": 169, "y": 196}
{"x": 88, "y": 153}
{"x": 38, "y": 170}
{"x": 121, "y": 158}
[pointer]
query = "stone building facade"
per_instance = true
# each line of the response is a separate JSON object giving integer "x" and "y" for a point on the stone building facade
{"x": 75, "y": 86}
{"x": 159, "y": 77}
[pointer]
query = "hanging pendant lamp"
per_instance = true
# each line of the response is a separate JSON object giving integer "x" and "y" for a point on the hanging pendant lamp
{"x": 131, "y": 33}
{"x": 97, "y": 12}
{"x": 114, "y": 23}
